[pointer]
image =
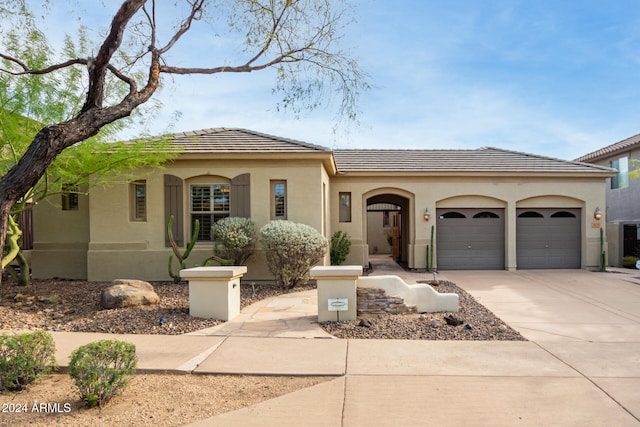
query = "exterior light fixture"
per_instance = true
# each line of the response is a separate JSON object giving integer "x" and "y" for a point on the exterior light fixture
{"x": 597, "y": 214}
{"x": 427, "y": 214}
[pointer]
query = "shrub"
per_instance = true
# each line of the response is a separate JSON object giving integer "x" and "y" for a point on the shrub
{"x": 340, "y": 246}
{"x": 235, "y": 239}
{"x": 101, "y": 370}
{"x": 24, "y": 358}
{"x": 291, "y": 250}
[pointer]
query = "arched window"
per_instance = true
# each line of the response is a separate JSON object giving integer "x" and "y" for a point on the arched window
{"x": 530, "y": 214}
{"x": 486, "y": 214}
{"x": 563, "y": 214}
{"x": 452, "y": 215}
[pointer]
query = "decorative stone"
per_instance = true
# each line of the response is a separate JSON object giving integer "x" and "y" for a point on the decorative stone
{"x": 435, "y": 323}
{"x": 364, "y": 323}
{"x": 128, "y": 293}
{"x": 453, "y": 321}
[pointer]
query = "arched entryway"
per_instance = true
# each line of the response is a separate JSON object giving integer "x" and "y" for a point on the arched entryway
{"x": 388, "y": 225}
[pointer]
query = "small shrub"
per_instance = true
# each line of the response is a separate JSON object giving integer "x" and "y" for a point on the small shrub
{"x": 629, "y": 261}
{"x": 101, "y": 370}
{"x": 235, "y": 239}
{"x": 340, "y": 247}
{"x": 291, "y": 250}
{"x": 24, "y": 358}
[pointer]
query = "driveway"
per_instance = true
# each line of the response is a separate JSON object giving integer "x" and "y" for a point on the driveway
{"x": 590, "y": 321}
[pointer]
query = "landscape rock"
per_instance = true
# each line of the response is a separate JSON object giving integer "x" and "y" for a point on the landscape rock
{"x": 453, "y": 321}
{"x": 435, "y": 323}
{"x": 128, "y": 293}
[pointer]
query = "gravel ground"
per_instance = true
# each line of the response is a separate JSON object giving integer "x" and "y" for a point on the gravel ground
{"x": 65, "y": 305}
{"x": 478, "y": 323}
{"x": 74, "y": 306}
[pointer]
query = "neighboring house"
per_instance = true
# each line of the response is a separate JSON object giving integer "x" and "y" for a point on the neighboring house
{"x": 488, "y": 208}
{"x": 623, "y": 196}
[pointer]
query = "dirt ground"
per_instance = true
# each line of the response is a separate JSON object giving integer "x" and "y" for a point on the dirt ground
{"x": 149, "y": 400}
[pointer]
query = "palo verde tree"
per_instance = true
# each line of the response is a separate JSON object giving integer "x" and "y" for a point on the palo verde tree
{"x": 297, "y": 38}
{"x": 30, "y": 100}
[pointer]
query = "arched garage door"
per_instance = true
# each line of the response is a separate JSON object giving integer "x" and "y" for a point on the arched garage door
{"x": 548, "y": 238}
{"x": 470, "y": 239}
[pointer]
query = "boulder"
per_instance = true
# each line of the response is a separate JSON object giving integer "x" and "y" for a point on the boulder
{"x": 128, "y": 293}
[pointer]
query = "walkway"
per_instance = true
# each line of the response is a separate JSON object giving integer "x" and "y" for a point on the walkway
{"x": 581, "y": 367}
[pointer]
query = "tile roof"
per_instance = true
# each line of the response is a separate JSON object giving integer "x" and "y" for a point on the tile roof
{"x": 226, "y": 140}
{"x": 485, "y": 159}
{"x": 624, "y": 145}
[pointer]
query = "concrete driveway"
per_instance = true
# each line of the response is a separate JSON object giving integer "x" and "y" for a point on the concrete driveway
{"x": 590, "y": 321}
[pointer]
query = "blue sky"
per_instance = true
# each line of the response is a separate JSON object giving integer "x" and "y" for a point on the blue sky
{"x": 554, "y": 77}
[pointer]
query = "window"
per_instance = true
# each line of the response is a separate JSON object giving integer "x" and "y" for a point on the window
{"x": 345, "y": 207}
{"x": 209, "y": 203}
{"x": 486, "y": 214}
{"x": 622, "y": 179}
{"x": 452, "y": 215}
{"x": 69, "y": 197}
{"x": 530, "y": 214}
{"x": 563, "y": 214}
{"x": 278, "y": 199}
{"x": 138, "y": 200}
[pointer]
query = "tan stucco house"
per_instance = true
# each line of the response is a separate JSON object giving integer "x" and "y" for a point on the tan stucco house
{"x": 483, "y": 209}
{"x": 622, "y": 195}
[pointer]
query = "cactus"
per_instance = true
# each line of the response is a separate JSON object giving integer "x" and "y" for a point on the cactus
{"x": 430, "y": 250}
{"x": 181, "y": 257}
{"x": 13, "y": 236}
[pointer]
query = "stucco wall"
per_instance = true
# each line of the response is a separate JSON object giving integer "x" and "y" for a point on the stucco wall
{"x": 113, "y": 246}
{"x": 61, "y": 239}
{"x": 470, "y": 192}
{"x": 120, "y": 247}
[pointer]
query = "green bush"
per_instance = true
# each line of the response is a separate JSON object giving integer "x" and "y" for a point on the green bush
{"x": 101, "y": 369}
{"x": 340, "y": 247}
{"x": 24, "y": 358}
{"x": 291, "y": 250}
{"x": 235, "y": 239}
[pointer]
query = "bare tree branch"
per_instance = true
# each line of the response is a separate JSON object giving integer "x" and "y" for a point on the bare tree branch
{"x": 196, "y": 9}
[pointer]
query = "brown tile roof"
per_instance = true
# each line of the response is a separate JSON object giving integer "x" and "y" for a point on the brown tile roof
{"x": 609, "y": 150}
{"x": 486, "y": 159}
{"x": 225, "y": 140}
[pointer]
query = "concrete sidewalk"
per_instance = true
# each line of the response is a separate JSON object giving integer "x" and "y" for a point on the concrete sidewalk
{"x": 581, "y": 367}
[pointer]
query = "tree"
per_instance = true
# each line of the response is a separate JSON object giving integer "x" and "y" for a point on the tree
{"x": 28, "y": 101}
{"x": 294, "y": 37}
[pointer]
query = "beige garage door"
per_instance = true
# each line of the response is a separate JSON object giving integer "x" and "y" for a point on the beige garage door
{"x": 470, "y": 239}
{"x": 548, "y": 238}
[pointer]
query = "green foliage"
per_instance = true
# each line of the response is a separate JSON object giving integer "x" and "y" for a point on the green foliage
{"x": 181, "y": 257}
{"x": 235, "y": 239}
{"x": 340, "y": 247}
{"x": 24, "y": 358}
{"x": 101, "y": 369}
{"x": 291, "y": 250}
{"x": 629, "y": 261}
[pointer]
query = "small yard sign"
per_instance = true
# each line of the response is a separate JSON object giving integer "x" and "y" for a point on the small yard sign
{"x": 338, "y": 304}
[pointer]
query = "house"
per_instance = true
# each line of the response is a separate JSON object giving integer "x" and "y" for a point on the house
{"x": 622, "y": 195}
{"x": 487, "y": 208}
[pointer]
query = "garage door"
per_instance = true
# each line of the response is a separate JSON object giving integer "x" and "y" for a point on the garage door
{"x": 548, "y": 238}
{"x": 470, "y": 239}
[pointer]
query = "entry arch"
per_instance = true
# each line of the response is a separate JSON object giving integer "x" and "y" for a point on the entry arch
{"x": 405, "y": 202}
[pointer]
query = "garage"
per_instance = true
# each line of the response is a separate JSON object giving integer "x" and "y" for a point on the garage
{"x": 470, "y": 239}
{"x": 548, "y": 238}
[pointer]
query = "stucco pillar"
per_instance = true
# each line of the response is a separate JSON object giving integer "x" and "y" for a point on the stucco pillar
{"x": 336, "y": 287}
{"x": 214, "y": 292}
{"x": 510, "y": 237}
